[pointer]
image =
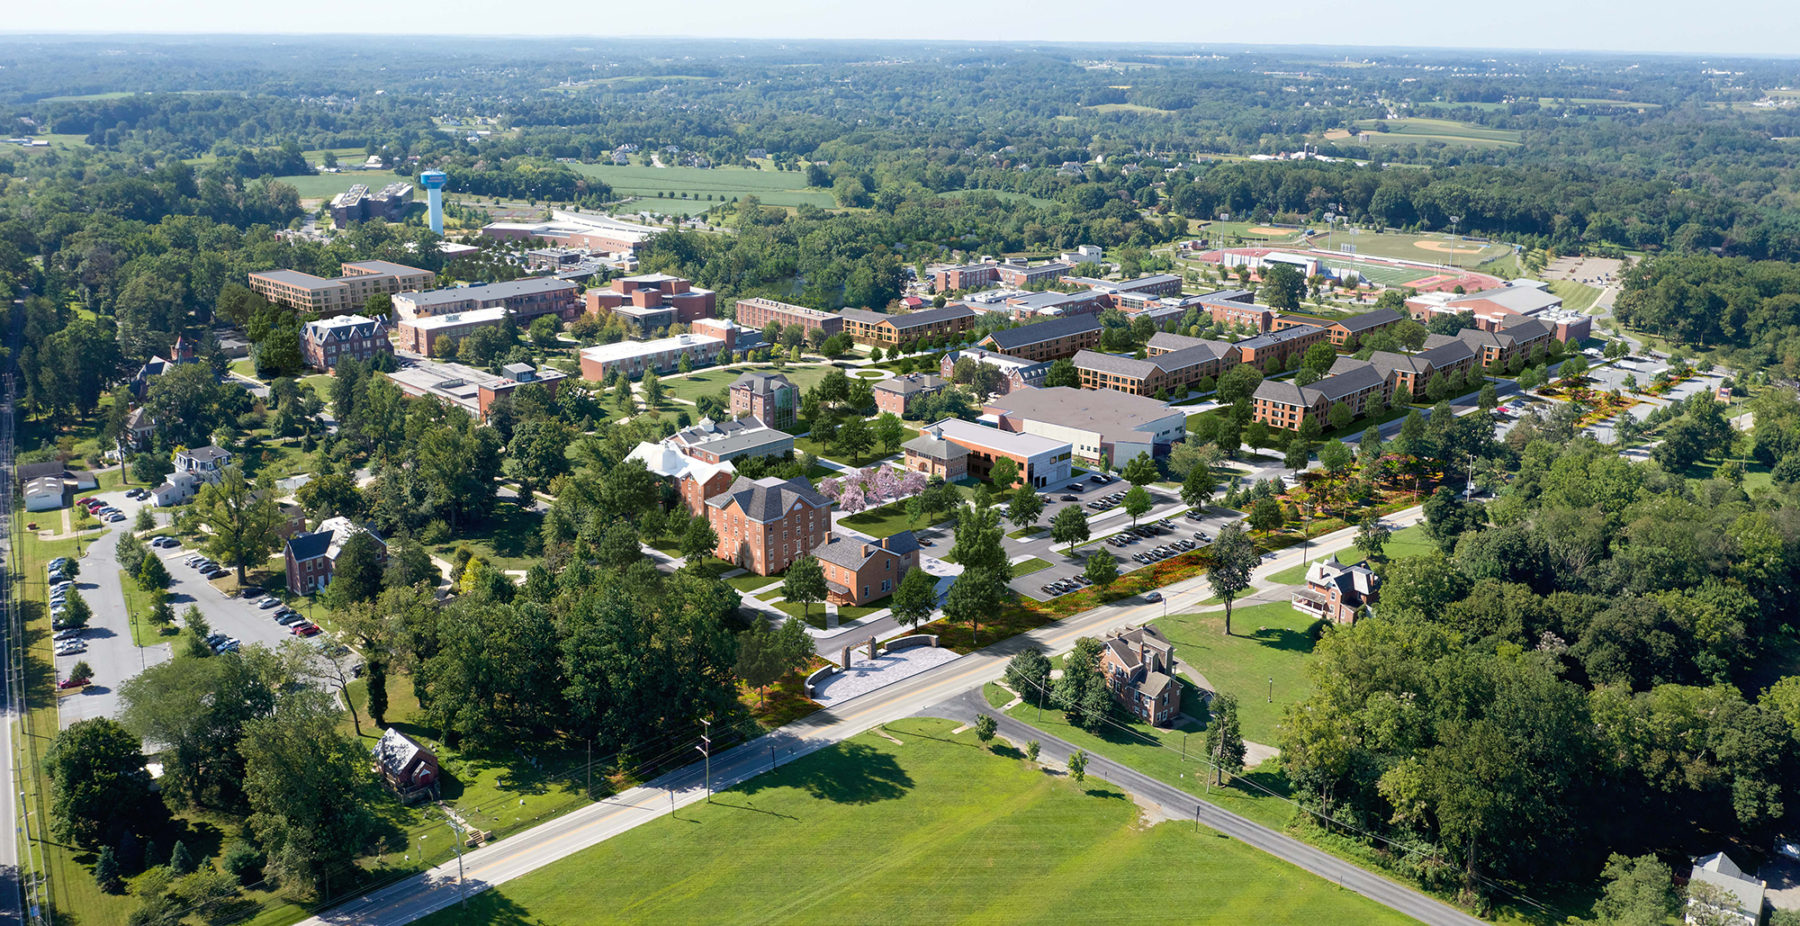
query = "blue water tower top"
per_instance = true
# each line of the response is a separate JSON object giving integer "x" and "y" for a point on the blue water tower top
{"x": 433, "y": 179}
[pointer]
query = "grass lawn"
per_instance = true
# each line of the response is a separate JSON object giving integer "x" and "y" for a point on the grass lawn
{"x": 1756, "y": 475}
{"x": 1409, "y": 541}
{"x": 813, "y": 613}
{"x": 1026, "y": 531}
{"x": 1577, "y": 296}
{"x": 885, "y": 521}
{"x": 723, "y": 184}
{"x": 509, "y": 540}
{"x": 1267, "y": 641}
{"x": 963, "y": 835}
{"x": 1027, "y": 567}
{"x": 1419, "y": 130}
{"x": 138, "y": 604}
{"x": 996, "y": 696}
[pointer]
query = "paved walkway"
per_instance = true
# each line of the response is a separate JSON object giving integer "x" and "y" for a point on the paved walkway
{"x": 866, "y": 675}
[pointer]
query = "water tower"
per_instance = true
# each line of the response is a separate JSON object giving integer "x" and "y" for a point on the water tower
{"x": 433, "y": 181}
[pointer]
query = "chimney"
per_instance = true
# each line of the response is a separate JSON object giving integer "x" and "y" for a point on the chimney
{"x": 868, "y": 550}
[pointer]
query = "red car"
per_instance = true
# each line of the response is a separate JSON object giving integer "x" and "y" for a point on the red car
{"x": 68, "y": 683}
{"x": 304, "y": 629}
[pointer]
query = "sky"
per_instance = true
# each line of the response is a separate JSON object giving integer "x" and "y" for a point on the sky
{"x": 1717, "y": 27}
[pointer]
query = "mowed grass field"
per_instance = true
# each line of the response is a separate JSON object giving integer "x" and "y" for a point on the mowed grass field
{"x": 709, "y": 382}
{"x": 1268, "y": 641}
{"x": 935, "y": 829}
{"x": 1416, "y": 130}
{"x": 1403, "y": 246}
{"x": 773, "y": 188}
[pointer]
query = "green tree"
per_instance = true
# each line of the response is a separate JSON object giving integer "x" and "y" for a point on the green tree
{"x": 1028, "y": 673}
{"x": 130, "y": 552}
{"x": 146, "y": 520}
{"x": 356, "y": 576}
{"x": 106, "y": 872}
{"x": 1266, "y": 515}
{"x": 1298, "y": 454}
{"x": 1488, "y": 399}
{"x": 1137, "y": 502}
{"x": 1282, "y": 286}
{"x": 99, "y": 786}
{"x": 1005, "y": 473}
{"x": 698, "y": 540}
{"x": 855, "y": 437}
{"x": 152, "y": 575}
{"x": 1197, "y": 489}
{"x": 181, "y": 861}
{"x": 305, "y": 783}
{"x": 1078, "y": 761}
{"x": 804, "y": 583}
{"x": 985, "y": 728}
{"x": 77, "y": 613}
{"x": 1224, "y": 738}
{"x": 1102, "y": 569}
{"x": 1141, "y": 471}
{"x": 243, "y": 518}
{"x": 766, "y": 654}
{"x": 889, "y": 432}
{"x": 1062, "y": 373}
{"x": 1335, "y": 458}
{"x": 1024, "y": 507}
{"x": 1233, "y": 559}
{"x": 1639, "y": 892}
{"x": 915, "y": 598}
{"x": 652, "y": 388}
{"x": 1069, "y": 527}
{"x": 1371, "y": 535}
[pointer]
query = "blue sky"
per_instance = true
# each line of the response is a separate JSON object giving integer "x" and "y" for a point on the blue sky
{"x": 1761, "y": 27}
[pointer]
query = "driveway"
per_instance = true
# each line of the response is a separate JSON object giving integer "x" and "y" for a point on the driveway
{"x": 110, "y": 650}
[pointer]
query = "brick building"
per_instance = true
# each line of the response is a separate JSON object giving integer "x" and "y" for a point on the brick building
{"x": 758, "y": 313}
{"x": 524, "y": 299}
{"x": 326, "y": 342}
{"x": 312, "y": 556}
{"x": 1346, "y": 331}
{"x": 1041, "y": 461}
{"x": 769, "y": 396}
{"x": 420, "y": 335}
{"x": 964, "y": 276}
{"x": 652, "y": 301}
{"x": 898, "y": 393}
{"x": 1335, "y": 592}
{"x": 1046, "y": 340}
{"x": 695, "y": 480}
{"x": 858, "y": 570}
{"x": 868, "y": 327}
{"x": 766, "y": 524}
{"x": 931, "y": 454}
{"x": 1235, "y": 307}
{"x": 472, "y": 390}
{"x": 1172, "y": 365}
{"x": 577, "y": 230}
{"x": 1523, "y": 337}
{"x": 1281, "y": 404}
{"x": 635, "y": 358}
{"x": 1019, "y": 275}
{"x": 1097, "y": 424}
{"x": 342, "y": 294}
{"x": 723, "y": 441}
{"x": 1139, "y": 666}
{"x": 1014, "y": 372}
{"x": 1287, "y": 345}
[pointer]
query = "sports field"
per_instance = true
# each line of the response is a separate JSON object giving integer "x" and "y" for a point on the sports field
{"x": 931, "y": 829}
{"x": 1432, "y": 249}
{"x": 722, "y": 184}
{"x": 1418, "y": 131}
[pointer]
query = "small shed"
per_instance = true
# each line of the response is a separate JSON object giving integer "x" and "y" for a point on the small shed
{"x": 407, "y": 766}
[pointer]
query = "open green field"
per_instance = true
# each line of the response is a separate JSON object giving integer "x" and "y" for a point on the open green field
{"x": 1406, "y": 542}
{"x": 934, "y": 829}
{"x": 1252, "y": 232}
{"x": 1268, "y": 641}
{"x": 1417, "y": 130}
{"x": 509, "y": 540}
{"x": 325, "y": 186}
{"x": 723, "y": 184}
{"x": 59, "y": 142}
{"x": 1576, "y": 296}
{"x": 1129, "y": 108}
{"x": 708, "y": 382}
{"x": 1430, "y": 248}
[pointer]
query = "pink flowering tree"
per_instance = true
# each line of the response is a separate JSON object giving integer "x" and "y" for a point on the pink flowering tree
{"x": 831, "y": 488}
{"x": 852, "y": 501}
{"x": 912, "y": 483}
{"x": 887, "y": 484}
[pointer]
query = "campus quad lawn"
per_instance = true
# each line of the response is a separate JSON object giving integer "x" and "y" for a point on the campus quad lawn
{"x": 1267, "y": 641}
{"x": 933, "y": 830}
{"x": 508, "y": 539}
{"x": 712, "y": 381}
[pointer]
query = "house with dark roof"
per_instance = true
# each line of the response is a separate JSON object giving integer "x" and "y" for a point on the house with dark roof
{"x": 311, "y": 556}
{"x": 1015, "y": 373}
{"x": 868, "y": 327}
{"x": 859, "y": 570}
{"x": 1173, "y": 367}
{"x": 1283, "y": 404}
{"x": 1139, "y": 667}
{"x": 771, "y": 397}
{"x": 407, "y": 767}
{"x": 1336, "y": 592}
{"x": 764, "y": 525}
{"x": 326, "y": 342}
{"x": 1046, "y": 340}
{"x": 930, "y": 453}
{"x": 897, "y": 394}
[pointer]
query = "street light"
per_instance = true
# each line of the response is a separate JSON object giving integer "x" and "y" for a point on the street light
{"x": 1271, "y": 689}
{"x": 705, "y": 748}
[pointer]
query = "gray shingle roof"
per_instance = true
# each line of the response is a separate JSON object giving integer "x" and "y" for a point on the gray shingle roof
{"x": 490, "y": 292}
{"x": 848, "y": 552}
{"x": 1284, "y": 393}
{"x": 1350, "y": 381}
{"x": 762, "y": 383}
{"x": 310, "y": 545}
{"x": 911, "y": 383}
{"x": 766, "y": 500}
{"x": 1274, "y": 338}
{"x": 1014, "y": 338}
{"x": 911, "y": 320}
{"x": 1368, "y": 320}
{"x": 935, "y": 448}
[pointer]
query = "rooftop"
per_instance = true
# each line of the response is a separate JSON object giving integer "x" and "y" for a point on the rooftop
{"x": 766, "y": 500}
{"x": 453, "y": 319}
{"x": 1012, "y": 442}
{"x": 911, "y": 383}
{"x": 1368, "y": 320}
{"x": 298, "y": 278}
{"x": 624, "y": 350}
{"x": 934, "y": 448}
{"x": 1107, "y": 412}
{"x": 910, "y": 320}
{"x": 788, "y": 307}
{"x": 1014, "y": 338}
{"x": 384, "y": 266}
{"x": 489, "y": 292}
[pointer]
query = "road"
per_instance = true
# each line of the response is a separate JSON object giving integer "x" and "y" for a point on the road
{"x": 422, "y": 894}
{"x": 12, "y": 663}
{"x": 1183, "y": 806}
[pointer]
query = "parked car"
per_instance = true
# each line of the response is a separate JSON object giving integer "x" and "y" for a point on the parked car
{"x": 288, "y": 618}
{"x": 269, "y": 602}
{"x": 69, "y": 683}
{"x": 115, "y": 517}
{"x": 1070, "y": 498}
{"x": 70, "y": 648}
{"x": 73, "y": 633}
{"x": 304, "y": 629}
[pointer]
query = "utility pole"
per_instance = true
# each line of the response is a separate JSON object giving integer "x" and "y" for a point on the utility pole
{"x": 705, "y": 748}
{"x": 456, "y": 838}
{"x": 590, "y": 768}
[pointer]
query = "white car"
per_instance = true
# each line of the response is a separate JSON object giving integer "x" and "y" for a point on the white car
{"x": 1789, "y": 848}
{"x": 70, "y": 647}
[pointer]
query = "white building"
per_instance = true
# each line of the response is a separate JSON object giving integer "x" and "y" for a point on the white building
{"x": 46, "y": 493}
{"x": 1741, "y": 894}
{"x": 193, "y": 469}
{"x": 1096, "y": 423}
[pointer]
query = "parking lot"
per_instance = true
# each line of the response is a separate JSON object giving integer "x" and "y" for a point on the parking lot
{"x": 110, "y": 651}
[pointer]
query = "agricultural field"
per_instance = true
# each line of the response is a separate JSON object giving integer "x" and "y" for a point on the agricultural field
{"x": 925, "y": 826}
{"x": 1421, "y": 131}
{"x": 722, "y": 184}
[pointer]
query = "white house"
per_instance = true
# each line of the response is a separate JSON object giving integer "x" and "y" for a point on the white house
{"x": 1740, "y": 896}
{"x": 193, "y": 469}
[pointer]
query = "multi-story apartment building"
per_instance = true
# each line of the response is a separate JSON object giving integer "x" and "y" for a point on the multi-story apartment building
{"x": 1287, "y": 345}
{"x": 758, "y": 313}
{"x": 1281, "y": 404}
{"x": 324, "y": 343}
{"x": 765, "y": 524}
{"x": 897, "y": 394}
{"x": 339, "y": 295}
{"x": 525, "y": 299}
{"x": 964, "y": 276}
{"x": 869, "y": 327}
{"x": 769, "y": 396}
{"x": 420, "y": 335}
{"x": 652, "y": 301}
{"x": 1520, "y": 338}
{"x": 1052, "y": 304}
{"x": 1173, "y": 369}
{"x": 1345, "y": 332}
{"x": 1236, "y": 307}
{"x": 1139, "y": 667}
{"x": 1020, "y": 275}
{"x": 357, "y": 204}
{"x": 858, "y": 570}
{"x": 1046, "y": 340}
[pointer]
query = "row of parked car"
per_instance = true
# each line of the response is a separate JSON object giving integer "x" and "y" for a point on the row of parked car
{"x": 206, "y": 567}
{"x": 102, "y": 510}
{"x": 67, "y": 639}
{"x": 1157, "y": 554}
{"x": 1107, "y": 502}
{"x": 283, "y": 615}
{"x": 1065, "y": 586}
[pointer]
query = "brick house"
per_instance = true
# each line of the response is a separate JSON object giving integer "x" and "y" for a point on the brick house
{"x": 868, "y": 327}
{"x": 898, "y": 393}
{"x": 312, "y": 556}
{"x": 931, "y": 454}
{"x": 1015, "y": 373}
{"x": 325, "y": 342}
{"x": 1139, "y": 666}
{"x": 1343, "y": 331}
{"x": 695, "y": 480}
{"x": 1046, "y": 340}
{"x": 406, "y": 766}
{"x": 766, "y": 524}
{"x": 769, "y": 396}
{"x": 1336, "y": 592}
{"x": 858, "y": 571}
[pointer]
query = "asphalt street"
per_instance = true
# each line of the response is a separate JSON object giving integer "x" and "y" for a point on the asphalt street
{"x": 1183, "y": 806}
{"x": 420, "y": 895}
